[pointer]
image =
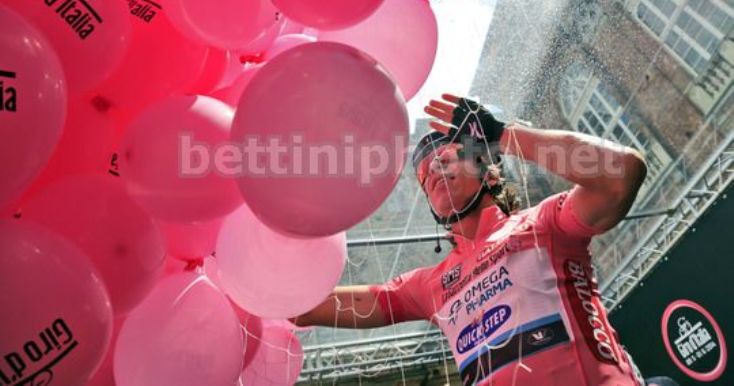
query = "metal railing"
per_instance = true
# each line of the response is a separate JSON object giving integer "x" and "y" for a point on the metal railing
{"x": 373, "y": 357}
{"x": 703, "y": 190}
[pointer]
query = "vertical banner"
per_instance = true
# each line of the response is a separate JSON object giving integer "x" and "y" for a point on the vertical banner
{"x": 680, "y": 322}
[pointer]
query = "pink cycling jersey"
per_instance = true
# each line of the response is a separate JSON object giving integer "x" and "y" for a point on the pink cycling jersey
{"x": 518, "y": 304}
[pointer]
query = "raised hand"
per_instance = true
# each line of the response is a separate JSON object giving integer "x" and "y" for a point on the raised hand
{"x": 464, "y": 117}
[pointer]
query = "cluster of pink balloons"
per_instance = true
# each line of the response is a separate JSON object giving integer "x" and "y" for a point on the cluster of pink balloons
{"x": 132, "y": 255}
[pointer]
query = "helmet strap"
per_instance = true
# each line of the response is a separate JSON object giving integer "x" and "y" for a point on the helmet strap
{"x": 447, "y": 221}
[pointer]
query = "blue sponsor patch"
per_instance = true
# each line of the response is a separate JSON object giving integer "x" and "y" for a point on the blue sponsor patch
{"x": 475, "y": 333}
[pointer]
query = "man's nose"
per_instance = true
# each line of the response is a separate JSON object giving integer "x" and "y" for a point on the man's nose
{"x": 440, "y": 162}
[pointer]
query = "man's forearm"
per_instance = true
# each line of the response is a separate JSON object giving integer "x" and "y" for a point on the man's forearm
{"x": 346, "y": 307}
{"x": 586, "y": 160}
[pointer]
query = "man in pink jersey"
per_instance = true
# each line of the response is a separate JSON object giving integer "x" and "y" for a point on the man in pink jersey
{"x": 516, "y": 297}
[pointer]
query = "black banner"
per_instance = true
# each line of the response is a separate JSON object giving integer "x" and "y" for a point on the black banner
{"x": 679, "y": 322}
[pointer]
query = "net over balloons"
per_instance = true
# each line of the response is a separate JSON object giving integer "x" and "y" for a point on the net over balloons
{"x": 278, "y": 361}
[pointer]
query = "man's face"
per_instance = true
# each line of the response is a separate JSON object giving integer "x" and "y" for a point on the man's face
{"x": 449, "y": 180}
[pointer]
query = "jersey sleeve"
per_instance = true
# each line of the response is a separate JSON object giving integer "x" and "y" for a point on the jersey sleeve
{"x": 558, "y": 213}
{"x": 401, "y": 298}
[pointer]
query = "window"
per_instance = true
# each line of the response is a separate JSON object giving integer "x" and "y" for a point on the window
{"x": 575, "y": 85}
{"x": 691, "y": 29}
{"x": 591, "y": 108}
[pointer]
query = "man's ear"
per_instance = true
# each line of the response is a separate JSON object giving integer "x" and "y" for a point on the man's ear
{"x": 490, "y": 175}
{"x": 491, "y": 181}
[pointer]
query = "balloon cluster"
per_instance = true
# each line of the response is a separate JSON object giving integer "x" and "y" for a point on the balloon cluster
{"x": 144, "y": 241}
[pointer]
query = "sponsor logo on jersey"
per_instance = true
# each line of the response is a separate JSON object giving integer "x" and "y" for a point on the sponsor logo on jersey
{"x": 493, "y": 251}
{"x": 475, "y": 333}
{"x": 451, "y": 277}
{"x": 476, "y": 295}
{"x": 477, "y": 271}
{"x": 479, "y": 293}
{"x": 540, "y": 337}
{"x": 589, "y": 313}
{"x": 506, "y": 348}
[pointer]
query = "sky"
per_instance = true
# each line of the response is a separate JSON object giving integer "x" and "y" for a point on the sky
{"x": 462, "y": 29}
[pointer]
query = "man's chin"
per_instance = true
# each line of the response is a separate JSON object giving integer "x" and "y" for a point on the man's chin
{"x": 443, "y": 211}
{"x": 446, "y": 208}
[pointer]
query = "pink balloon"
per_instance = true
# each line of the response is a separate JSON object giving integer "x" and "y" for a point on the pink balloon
{"x": 278, "y": 362}
{"x": 185, "y": 334}
{"x": 234, "y": 69}
{"x": 253, "y": 53}
{"x": 8, "y": 212}
{"x": 86, "y": 145}
{"x": 191, "y": 241}
{"x": 166, "y": 165}
{"x": 160, "y": 61}
{"x": 217, "y": 62}
{"x": 291, "y": 27}
{"x": 32, "y": 104}
{"x": 252, "y": 326}
{"x": 174, "y": 266}
{"x": 90, "y": 36}
{"x": 328, "y": 14}
{"x": 402, "y": 35}
{"x": 271, "y": 23}
{"x": 57, "y": 319}
{"x": 123, "y": 242}
{"x": 285, "y": 323}
{"x": 286, "y": 42}
{"x": 87, "y": 142}
{"x": 252, "y": 258}
{"x": 314, "y": 96}
{"x": 232, "y": 24}
{"x": 231, "y": 95}
{"x": 104, "y": 375}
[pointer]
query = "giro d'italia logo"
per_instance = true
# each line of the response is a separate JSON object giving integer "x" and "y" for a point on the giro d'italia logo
{"x": 694, "y": 340}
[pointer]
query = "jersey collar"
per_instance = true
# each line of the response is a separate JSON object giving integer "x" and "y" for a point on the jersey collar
{"x": 490, "y": 219}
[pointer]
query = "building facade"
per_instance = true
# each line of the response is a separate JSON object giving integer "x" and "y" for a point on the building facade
{"x": 656, "y": 75}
